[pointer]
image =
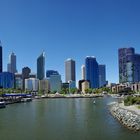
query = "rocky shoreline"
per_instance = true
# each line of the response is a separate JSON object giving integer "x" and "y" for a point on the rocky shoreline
{"x": 128, "y": 118}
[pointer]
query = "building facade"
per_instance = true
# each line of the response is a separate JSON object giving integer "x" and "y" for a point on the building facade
{"x": 80, "y": 84}
{"x": 41, "y": 66}
{"x": 11, "y": 67}
{"x": 18, "y": 83}
{"x": 102, "y": 75}
{"x": 129, "y": 65}
{"x": 85, "y": 85}
{"x": 1, "y": 59}
{"x": 55, "y": 83}
{"x": 31, "y": 84}
{"x": 83, "y": 72}
{"x": 25, "y": 74}
{"x": 135, "y": 87}
{"x": 7, "y": 80}
{"x": 51, "y": 72}
{"x": 92, "y": 71}
{"x": 70, "y": 70}
{"x": 44, "y": 86}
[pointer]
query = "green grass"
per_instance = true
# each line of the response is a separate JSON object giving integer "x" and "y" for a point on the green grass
{"x": 130, "y": 100}
{"x": 138, "y": 107}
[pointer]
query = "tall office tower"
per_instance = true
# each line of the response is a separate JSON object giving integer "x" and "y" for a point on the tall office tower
{"x": 55, "y": 83}
{"x": 70, "y": 70}
{"x": 129, "y": 65}
{"x": 102, "y": 75}
{"x": 11, "y": 67}
{"x": 51, "y": 72}
{"x": 92, "y": 71}
{"x": 1, "y": 64}
{"x": 25, "y": 75}
{"x": 54, "y": 79}
{"x": 7, "y": 80}
{"x": 83, "y": 72}
{"x": 41, "y": 66}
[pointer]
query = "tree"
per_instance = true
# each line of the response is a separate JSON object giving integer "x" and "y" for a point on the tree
{"x": 73, "y": 90}
{"x": 64, "y": 91}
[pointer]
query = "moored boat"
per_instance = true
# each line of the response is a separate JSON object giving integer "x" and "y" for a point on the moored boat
{"x": 26, "y": 99}
{"x": 2, "y": 104}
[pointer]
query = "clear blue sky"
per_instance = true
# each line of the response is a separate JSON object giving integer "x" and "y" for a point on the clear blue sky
{"x": 69, "y": 29}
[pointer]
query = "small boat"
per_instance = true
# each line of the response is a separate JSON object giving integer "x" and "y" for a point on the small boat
{"x": 2, "y": 104}
{"x": 26, "y": 99}
{"x": 94, "y": 102}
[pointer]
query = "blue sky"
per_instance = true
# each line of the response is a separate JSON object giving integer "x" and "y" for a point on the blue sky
{"x": 69, "y": 29}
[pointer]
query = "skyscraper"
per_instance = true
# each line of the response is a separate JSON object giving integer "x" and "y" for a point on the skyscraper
{"x": 25, "y": 74}
{"x": 83, "y": 72}
{"x": 129, "y": 65}
{"x": 54, "y": 79}
{"x": 70, "y": 70}
{"x": 55, "y": 83}
{"x": 102, "y": 75}
{"x": 92, "y": 71}
{"x": 41, "y": 66}
{"x": 1, "y": 64}
{"x": 51, "y": 72}
{"x": 7, "y": 80}
{"x": 11, "y": 67}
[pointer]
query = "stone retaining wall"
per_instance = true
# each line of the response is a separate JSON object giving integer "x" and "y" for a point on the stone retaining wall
{"x": 128, "y": 118}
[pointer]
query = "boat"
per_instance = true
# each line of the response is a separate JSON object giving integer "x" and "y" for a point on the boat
{"x": 37, "y": 97}
{"x": 43, "y": 96}
{"x": 2, "y": 104}
{"x": 94, "y": 102}
{"x": 26, "y": 99}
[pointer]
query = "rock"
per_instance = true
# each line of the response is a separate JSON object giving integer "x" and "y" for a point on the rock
{"x": 128, "y": 118}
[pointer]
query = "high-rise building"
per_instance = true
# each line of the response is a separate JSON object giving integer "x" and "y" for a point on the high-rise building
{"x": 44, "y": 86}
{"x": 83, "y": 72}
{"x": 25, "y": 74}
{"x": 92, "y": 71}
{"x": 7, "y": 80}
{"x": 41, "y": 66}
{"x": 54, "y": 79}
{"x": 102, "y": 75}
{"x": 70, "y": 70}
{"x": 11, "y": 67}
{"x": 1, "y": 64}
{"x": 129, "y": 65}
{"x": 51, "y": 72}
{"x": 55, "y": 83}
{"x": 31, "y": 84}
{"x": 18, "y": 83}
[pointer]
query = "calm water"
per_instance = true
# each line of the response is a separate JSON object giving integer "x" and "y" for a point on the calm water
{"x": 62, "y": 119}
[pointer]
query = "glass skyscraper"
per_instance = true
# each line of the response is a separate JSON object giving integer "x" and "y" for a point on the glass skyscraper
{"x": 129, "y": 65}
{"x": 83, "y": 72}
{"x": 1, "y": 58}
{"x": 51, "y": 72}
{"x": 11, "y": 67}
{"x": 102, "y": 75}
{"x": 92, "y": 71}
{"x": 41, "y": 66}
{"x": 25, "y": 74}
{"x": 70, "y": 70}
{"x": 55, "y": 83}
{"x": 7, "y": 80}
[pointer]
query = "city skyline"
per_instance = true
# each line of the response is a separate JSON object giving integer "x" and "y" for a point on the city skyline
{"x": 69, "y": 29}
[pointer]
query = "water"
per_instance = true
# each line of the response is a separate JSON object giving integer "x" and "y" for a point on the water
{"x": 62, "y": 119}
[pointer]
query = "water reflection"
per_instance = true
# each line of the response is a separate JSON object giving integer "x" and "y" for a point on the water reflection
{"x": 62, "y": 119}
